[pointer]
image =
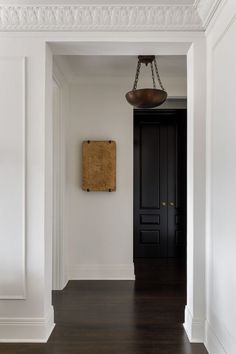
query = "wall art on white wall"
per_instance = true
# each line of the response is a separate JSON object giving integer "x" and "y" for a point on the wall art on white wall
{"x": 99, "y": 165}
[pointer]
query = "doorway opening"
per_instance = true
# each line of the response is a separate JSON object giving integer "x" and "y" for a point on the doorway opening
{"x": 99, "y": 253}
{"x": 160, "y": 197}
{"x": 92, "y": 271}
{"x": 102, "y": 249}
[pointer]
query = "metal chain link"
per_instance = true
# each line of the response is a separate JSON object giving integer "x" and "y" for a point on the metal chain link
{"x": 158, "y": 75}
{"x": 137, "y": 75}
{"x": 153, "y": 77}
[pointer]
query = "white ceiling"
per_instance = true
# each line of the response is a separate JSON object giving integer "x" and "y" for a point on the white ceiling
{"x": 75, "y": 66}
{"x": 103, "y": 2}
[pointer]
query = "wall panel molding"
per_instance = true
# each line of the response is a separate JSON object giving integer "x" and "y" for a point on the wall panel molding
{"x": 99, "y": 18}
{"x": 13, "y": 178}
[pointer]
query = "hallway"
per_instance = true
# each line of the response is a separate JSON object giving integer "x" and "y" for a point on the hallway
{"x": 115, "y": 317}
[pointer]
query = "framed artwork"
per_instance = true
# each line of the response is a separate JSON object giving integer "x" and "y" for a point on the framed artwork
{"x": 99, "y": 165}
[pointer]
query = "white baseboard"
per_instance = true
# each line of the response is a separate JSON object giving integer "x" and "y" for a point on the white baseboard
{"x": 218, "y": 339}
{"x": 194, "y": 328}
{"x": 212, "y": 343}
{"x": 27, "y": 330}
{"x": 101, "y": 272}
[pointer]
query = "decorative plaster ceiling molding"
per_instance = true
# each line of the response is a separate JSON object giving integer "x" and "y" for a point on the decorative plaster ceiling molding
{"x": 206, "y": 10}
{"x": 99, "y": 18}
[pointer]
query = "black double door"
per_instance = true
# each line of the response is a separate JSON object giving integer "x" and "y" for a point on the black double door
{"x": 160, "y": 184}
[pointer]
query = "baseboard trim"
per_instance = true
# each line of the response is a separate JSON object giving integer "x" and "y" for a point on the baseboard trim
{"x": 101, "y": 272}
{"x": 213, "y": 343}
{"x": 195, "y": 328}
{"x": 27, "y": 330}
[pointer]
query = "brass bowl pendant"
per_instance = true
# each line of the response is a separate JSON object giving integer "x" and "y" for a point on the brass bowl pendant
{"x": 147, "y": 97}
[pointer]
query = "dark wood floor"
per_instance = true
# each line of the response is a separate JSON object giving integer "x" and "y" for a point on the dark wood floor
{"x": 115, "y": 317}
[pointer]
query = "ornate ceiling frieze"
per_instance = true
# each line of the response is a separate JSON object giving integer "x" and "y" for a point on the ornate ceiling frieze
{"x": 99, "y": 18}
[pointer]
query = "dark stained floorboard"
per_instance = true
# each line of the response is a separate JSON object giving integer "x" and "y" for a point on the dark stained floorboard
{"x": 115, "y": 317}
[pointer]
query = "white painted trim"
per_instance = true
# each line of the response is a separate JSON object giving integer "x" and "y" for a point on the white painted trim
{"x": 195, "y": 309}
{"x": 194, "y": 327}
{"x": 104, "y": 17}
{"x": 108, "y": 17}
{"x": 101, "y": 272}
{"x": 207, "y": 10}
{"x": 27, "y": 330}
{"x": 22, "y": 296}
{"x": 57, "y": 223}
{"x": 57, "y": 75}
{"x": 212, "y": 343}
{"x": 218, "y": 339}
{"x": 58, "y": 273}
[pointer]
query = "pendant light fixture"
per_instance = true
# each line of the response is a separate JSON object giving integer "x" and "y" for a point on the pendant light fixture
{"x": 147, "y": 97}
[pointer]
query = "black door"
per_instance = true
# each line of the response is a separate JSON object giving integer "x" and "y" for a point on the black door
{"x": 160, "y": 184}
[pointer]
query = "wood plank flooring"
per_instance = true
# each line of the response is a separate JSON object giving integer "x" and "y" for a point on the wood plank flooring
{"x": 115, "y": 317}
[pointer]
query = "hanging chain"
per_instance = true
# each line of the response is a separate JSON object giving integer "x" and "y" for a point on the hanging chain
{"x": 137, "y": 75}
{"x": 158, "y": 75}
{"x": 153, "y": 77}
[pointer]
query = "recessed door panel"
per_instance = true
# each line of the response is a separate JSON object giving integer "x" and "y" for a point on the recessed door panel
{"x": 149, "y": 166}
{"x": 177, "y": 188}
{"x": 150, "y": 219}
{"x": 150, "y": 237}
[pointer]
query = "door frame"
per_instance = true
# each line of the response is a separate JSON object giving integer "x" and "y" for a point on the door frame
{"x": 59, "y": 109}
{"x": 192, "y": 45}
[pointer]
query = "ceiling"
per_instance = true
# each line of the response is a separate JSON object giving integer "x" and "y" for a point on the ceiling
{"x": 103, "y": 2}
{"x": 76, "y": 66}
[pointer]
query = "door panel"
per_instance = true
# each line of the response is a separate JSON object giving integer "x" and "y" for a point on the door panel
{"x": 176, "y": 188}
{"x": 150, "y": 189}
{"x": 149, "y": 166}
{"x": 159, "y": 183}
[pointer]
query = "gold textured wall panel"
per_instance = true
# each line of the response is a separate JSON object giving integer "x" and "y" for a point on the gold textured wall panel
{"x": 99, "y": 165}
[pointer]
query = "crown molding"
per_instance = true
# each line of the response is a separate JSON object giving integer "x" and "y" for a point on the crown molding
{"x": 206, "y": 10}
{"x": 99, "y": 18}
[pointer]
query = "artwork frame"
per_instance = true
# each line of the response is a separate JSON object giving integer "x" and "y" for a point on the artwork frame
{"x": 99, "y": 165}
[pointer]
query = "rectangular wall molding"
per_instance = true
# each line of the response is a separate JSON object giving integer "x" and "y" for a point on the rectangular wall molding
{"x": 101, "y": 272}
{"x": 12, "y": 177}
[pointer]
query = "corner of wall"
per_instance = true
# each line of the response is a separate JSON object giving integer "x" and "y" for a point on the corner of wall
{"x": 194, "y": 327}
{"x": 212, "y": 343}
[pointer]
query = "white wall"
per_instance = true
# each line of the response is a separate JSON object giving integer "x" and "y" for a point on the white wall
{"x": 100, "y": 237}
{"x": 12, "y": 146}
{"x": 221, "y": 182}
{"x": 26, "y": 313}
